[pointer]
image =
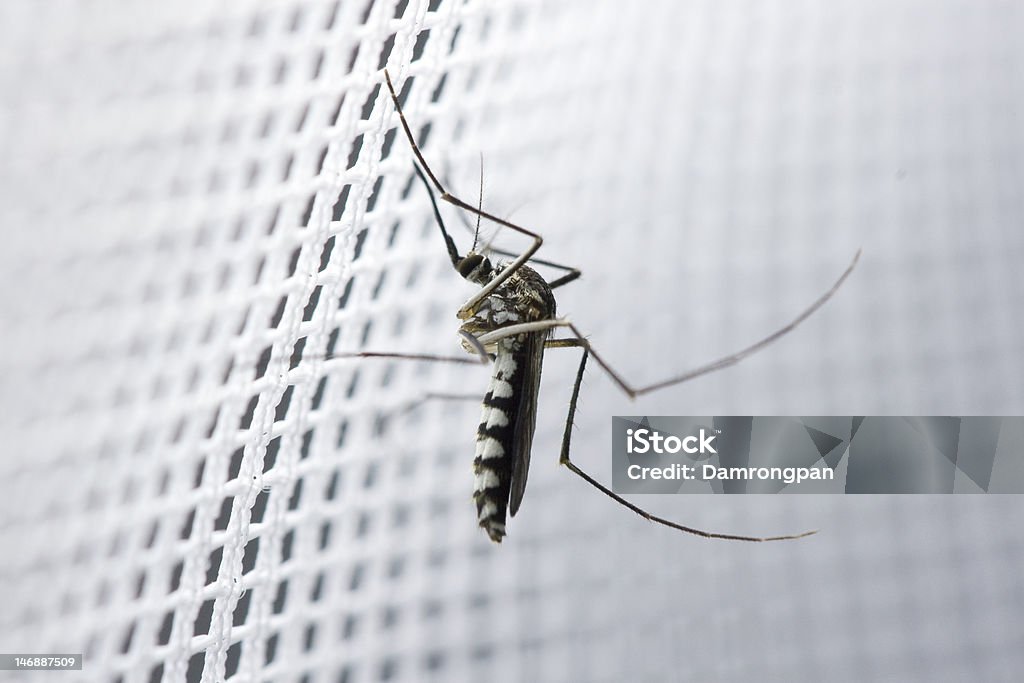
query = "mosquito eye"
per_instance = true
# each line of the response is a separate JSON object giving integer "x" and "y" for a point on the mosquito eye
{"x": 470, "y": 264}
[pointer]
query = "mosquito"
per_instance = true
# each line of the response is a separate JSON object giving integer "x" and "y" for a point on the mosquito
{"x": 509, "y": 322}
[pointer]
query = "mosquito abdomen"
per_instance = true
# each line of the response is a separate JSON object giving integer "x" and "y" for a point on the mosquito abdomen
{"x": 492, "y": 466}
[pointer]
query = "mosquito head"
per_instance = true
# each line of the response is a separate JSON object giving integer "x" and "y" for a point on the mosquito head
{"x": 475, "y": 268}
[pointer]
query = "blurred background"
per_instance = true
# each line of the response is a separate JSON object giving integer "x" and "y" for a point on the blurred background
{"x": 202, "y": 202}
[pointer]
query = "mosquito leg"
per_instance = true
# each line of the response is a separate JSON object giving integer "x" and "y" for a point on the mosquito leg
{"x": 565, "y": 460}
{"x": 571, "y": 273}
{"x": 443, "y": 396}
{"x": 485, "y": 358}
{"x": 588, "y": 350}
{"x": 412, "y": 405}
{"x": 482, "y": 357}
{"x": 565, "y": 279}
{"x": 410, "y": 356}
{"x": 721, "y": 363}
{"x": 486, "y": 290}
{"x": 478, "y": 344}
{"x": 521, "y": 328}
{"x": 435, "y": 396}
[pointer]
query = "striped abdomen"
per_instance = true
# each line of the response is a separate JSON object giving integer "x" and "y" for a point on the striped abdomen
{"x": 493, "y": 464}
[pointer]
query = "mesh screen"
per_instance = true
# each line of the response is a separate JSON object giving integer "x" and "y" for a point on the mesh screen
{"x": 203, "y": 201}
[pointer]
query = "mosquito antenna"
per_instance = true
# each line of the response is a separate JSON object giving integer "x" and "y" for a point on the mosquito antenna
{"x": 480, "y": 204}
{"x": 508, "y": 271}
{"x": 489, "y": 247}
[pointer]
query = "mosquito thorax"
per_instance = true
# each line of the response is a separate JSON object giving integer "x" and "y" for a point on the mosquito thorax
{"x": 475, "y": 268}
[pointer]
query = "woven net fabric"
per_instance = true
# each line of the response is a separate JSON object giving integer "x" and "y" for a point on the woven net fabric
{"x": 204, "y": 204}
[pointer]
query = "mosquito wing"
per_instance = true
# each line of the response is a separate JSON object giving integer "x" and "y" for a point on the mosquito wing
{"x": 529, "y": 359}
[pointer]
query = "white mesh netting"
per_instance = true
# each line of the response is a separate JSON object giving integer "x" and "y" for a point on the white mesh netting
{"x": 201, "y": 200}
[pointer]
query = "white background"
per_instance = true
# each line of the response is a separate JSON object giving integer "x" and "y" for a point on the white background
{"x": 170, "y": 177}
